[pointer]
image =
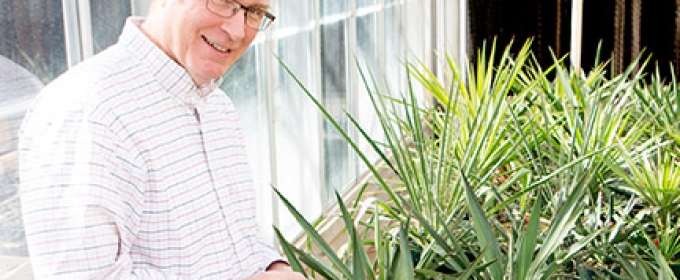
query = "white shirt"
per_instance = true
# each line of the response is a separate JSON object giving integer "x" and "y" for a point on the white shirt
{"x": 127, "y": 172}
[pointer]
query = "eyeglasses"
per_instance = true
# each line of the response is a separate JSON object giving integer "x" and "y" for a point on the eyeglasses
{"x": 255, "y": 18}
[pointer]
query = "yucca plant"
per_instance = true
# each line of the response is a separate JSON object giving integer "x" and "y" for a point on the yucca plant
{"x": 656, "y": 179}
{"x": 589, "y": 115}
{"x": 659, "y": 102}
{"x": 413, "y": 196}
{"x": 513, "y": 173}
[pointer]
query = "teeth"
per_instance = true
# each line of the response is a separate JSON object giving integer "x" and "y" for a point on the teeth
{"x": 217, "y": 47}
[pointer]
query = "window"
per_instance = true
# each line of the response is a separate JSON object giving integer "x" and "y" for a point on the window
{"x": 33, "y": 37}
{"x": 307, "y": 158}
{"x": 108, "y": 18}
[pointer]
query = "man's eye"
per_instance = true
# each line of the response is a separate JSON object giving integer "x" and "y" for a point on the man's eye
{"x": 255, "y": 13}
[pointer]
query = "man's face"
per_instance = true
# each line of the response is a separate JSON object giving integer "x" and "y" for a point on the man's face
{"x": 203, "y": 42}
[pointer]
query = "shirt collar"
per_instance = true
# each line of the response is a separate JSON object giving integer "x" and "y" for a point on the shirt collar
{"x": 171, "y": 76}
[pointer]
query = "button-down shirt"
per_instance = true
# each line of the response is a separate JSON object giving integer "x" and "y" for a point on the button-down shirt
{"x": 129, "y": 170}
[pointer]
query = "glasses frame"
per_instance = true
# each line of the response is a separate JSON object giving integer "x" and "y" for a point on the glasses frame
{"x": 267, "y": 15}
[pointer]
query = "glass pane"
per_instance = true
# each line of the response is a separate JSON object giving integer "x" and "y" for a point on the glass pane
{"x": 331, "y": 7}
{"x": 297, "y": 130}
{"x": 367, "y": 42}
{"x": 31, "y": 53}
{"x": 368, "y": 56}
{"x": 335, "y": 99}
{"x": 364, "y": 3}
{"x": 337, "y": 172}
{"x": 17, "y": 88}
{"x": 294, "y": 13}
{"x": 33, "y": 36}
{"x": 333, "y": 62}
{"x": 242, "y": 85}
{"x": 108, "y": 18}
{"x": 245, "y": 85}
{"x": 393, "y": 47}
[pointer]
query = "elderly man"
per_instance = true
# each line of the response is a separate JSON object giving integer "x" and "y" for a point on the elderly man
{"x": 132, "y": 163}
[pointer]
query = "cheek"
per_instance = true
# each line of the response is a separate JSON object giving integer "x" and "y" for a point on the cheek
{"x": 248, "y": 40}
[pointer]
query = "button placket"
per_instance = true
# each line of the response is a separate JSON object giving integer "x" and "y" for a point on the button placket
{"x": 210, "y": 144}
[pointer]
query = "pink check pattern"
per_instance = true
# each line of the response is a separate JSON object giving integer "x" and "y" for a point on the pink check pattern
{"x": 130, "y": 171}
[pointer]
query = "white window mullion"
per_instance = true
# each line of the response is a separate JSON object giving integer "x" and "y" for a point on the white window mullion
{"x": 353, "y": 80}
{"x": 85, "y": 22}
{"x": 451, "y": 34}
{"x": 74, "y": 55}
{"x": 576, "y": 33}
{"x": 272, "y": 82}
{"x": 316, "y": 50}
{"x": 77, "y": 31}
{"x": 438, "y": 36}
{"x": 462, "y": 38}
{"x": 382, "y": 62}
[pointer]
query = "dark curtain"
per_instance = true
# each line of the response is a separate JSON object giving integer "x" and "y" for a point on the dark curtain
{"x": 622, "y": 28}
{"x": 627, "y": 29}
{"x": 545, "y": 22}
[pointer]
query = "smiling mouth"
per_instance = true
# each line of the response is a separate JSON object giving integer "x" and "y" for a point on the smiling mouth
{"x": 216, "y": 46}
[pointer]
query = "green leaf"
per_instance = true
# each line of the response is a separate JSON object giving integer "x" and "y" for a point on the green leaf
{"x": 404, "y": 269}
{"x": 315, "y": 237}
{"x": 360, "y": 264}
{"x": 527, "y": 244}
{"x": 289, "y": 251}
{"x": 485, "y": 232}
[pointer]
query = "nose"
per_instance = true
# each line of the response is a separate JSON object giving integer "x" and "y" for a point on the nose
{"x": 235, "y": 26}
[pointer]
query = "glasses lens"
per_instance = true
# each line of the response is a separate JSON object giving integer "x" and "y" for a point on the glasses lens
{"x": 225, "y": 8}
{"x": 265, "y": 22}
{"x": 254, "y": 18}
{"x": 258, "y": 19}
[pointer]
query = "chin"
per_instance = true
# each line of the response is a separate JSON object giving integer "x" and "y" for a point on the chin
{"x": 211, "y": 74}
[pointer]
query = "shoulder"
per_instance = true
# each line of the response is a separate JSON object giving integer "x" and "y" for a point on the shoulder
{"x": 91, "y": 87}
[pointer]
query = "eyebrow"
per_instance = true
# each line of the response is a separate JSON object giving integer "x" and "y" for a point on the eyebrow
{"x": 262, "y": 7}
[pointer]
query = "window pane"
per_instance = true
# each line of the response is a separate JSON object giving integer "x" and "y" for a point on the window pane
{"x": 108, "y": 18}
{"x": 393, "y": 53}
{"x": 363, "y": 3}
{"x": 366, "y": 42}
{"x": 297, "y": 130}
{"x": 335, "y": 99}
{"x": 331, "y": 7}
{"x": 294, "y": 13}
{"x": 336, "y": 159}
{"x": 33, "y": 36}
{"x": 31, "y": 53}
{"x": 17, "y": 88}
{"x": 333, "y": 64}
{"x": 245, "y": 85}
{"x": 368, "y": 56}
{"x": 241, "y": 84}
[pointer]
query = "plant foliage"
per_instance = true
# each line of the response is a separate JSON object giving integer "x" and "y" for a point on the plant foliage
{"x": 512, "y": 172}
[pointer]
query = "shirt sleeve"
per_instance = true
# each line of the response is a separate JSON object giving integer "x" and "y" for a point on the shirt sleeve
{"x": 80, "y": 203}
